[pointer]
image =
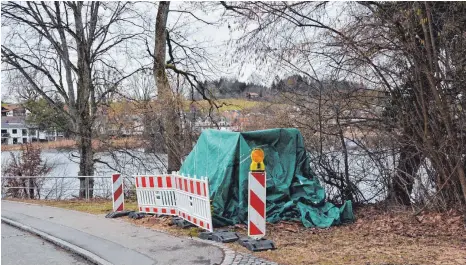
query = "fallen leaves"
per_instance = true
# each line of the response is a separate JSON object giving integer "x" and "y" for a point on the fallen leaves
{"x": 377, "y": 237}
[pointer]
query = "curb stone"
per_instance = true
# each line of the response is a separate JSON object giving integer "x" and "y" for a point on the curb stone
{"x": 59, "y": 242}
{"x": 235, "y": 258}
{"x": 231, "y": 257}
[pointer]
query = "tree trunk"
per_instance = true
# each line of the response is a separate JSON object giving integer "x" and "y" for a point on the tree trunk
{"x": 347, "y": 192}
{"x": 25, "y": 190}
{"x": 462, "y": 179}
{"x": 84, "y": 101}
{"x": 451, "y": 182}
{"x": 166, "y": 96}
{"x": 403, "y": 181}
{"x": 31, "y": 188}
{"x": 86, "y": 164}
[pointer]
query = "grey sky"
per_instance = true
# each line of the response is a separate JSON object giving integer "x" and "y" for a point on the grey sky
{"x": 214, "y": 38}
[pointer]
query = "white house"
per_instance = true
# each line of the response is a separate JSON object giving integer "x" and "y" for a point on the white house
{"x": 15, "y": 131}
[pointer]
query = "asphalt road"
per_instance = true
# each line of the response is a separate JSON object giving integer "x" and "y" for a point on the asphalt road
{"x": 19, "y": 247}
{"x": 113, "y": 240}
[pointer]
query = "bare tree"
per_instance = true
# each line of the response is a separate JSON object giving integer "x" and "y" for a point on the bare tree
{"x": 187, "y": 65}
{"x": 171, "y": 120}
{"x": 407, "y": 51}
{"x": 60, "y": 48}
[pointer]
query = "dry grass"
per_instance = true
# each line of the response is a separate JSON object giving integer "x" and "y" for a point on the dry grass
{"x": 97, "y": 206}
{"x": 98, "y": 145}
{"x": 347, "y": 245}
{"x": 376, "y": 238}
{"x": 43, "y": 145}
{"x": 226, "y": 104}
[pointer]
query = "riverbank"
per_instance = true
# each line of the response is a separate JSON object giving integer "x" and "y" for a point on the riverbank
{"x": 129, "y": 143}
{"x": 377, "y": 237}
{"x": 60, "y": 144}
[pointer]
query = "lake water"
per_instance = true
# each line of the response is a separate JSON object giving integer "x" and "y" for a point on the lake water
{"x": 65, "y": 164}
{"x": 136, "y": 162}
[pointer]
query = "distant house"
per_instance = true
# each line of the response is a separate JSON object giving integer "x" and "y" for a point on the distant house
{"x": 124, "y": 118}
{"x": 15, "y": 131}
{"x": 10, "y": 110}
{"x": 251, "y": 95}
{"x": 206, "y": 123}
{"x": 6, "y": 112}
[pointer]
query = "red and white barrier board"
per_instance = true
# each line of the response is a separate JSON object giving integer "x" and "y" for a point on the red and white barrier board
{"x": 117, "y": 192}
{"x": 156, "y": 194}
{"x": 193, "y": 200}
{"x": 256, "y": 204}
{"x": 175, "y": 194}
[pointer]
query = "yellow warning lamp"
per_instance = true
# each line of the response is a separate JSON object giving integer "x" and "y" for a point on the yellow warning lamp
{"x": 257, "y": 157}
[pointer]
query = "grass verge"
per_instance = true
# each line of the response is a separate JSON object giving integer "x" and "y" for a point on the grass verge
{"x": 95, "y": 206}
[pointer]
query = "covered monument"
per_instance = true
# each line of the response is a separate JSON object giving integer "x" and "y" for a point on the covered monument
{"x": 293, "y": 191}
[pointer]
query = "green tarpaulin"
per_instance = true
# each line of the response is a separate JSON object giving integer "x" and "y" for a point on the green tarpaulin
{"x": 293, "y": 191}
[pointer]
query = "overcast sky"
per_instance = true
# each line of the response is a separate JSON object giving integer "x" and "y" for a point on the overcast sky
{"x": 214, "y": 38}
{"x": 217, "y": 37}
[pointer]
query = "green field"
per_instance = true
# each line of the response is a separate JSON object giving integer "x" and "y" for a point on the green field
{"x": 225, "y": 104}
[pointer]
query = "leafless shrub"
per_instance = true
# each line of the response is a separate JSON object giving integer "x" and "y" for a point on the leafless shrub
{"x": 27, "y": 164}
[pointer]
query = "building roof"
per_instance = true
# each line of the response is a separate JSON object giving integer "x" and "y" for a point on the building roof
{"x": 9, "y": 107}
{"x": 13, "y": 126}
{"x": 15, "y": 122}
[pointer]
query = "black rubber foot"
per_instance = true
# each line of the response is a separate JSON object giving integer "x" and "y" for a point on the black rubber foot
{"x": 136, "y": 215}
{"x": 118, "y": 214}
{"x": 256, "y": 244}
{"x": 180, "y": 222}
{"x": 223, "y": 236}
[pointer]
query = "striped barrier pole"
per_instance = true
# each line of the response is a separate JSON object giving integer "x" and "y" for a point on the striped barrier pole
{"x": 257, "y": 191}
{"x": 256, "y": 204}
{"x": 256, "y": 195}
{"x": 117, "y": 191}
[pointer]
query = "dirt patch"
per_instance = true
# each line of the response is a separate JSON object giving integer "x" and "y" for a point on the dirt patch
{"x": 163, "y": 223}
{"x": 377, "y": 237}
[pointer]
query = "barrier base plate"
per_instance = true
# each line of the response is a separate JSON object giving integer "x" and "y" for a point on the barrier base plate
{"x": 180, "y": 222}
{"x": 256, "y": 244}
{"x": 205, "y": 235}
{"x": 118, "y": 214}
{"x": 136, "y": 215}
{"x": 223, "y": 236}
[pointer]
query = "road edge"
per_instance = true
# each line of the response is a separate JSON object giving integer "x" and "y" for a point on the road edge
{"x": 229, "y": 255}
{"x": 59, "y": 242}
